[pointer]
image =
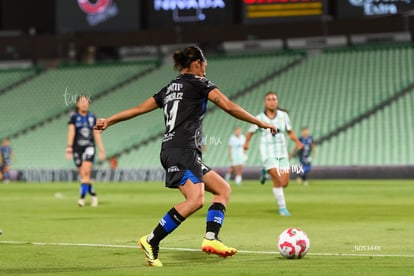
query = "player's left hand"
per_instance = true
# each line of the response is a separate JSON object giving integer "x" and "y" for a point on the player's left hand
{"x": 299, "y": 145}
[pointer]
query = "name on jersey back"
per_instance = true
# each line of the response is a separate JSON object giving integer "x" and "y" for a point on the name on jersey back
{"x": 174, "y": 92}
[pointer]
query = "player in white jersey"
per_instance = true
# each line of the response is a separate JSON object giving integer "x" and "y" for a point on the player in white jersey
{"x": 273, "y": 148}
{"x": 237, "y": 156}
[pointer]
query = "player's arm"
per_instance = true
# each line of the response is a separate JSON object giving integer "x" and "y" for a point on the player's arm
{"x": 249, "y": 136}
{"x": 99, "y": 143}
{"x": 71, "y": 138}
{"x": 235, "y": 110}
{"x": 12, "y": 156}
{"x": 295, "y": 139}
{"x": 313, "y": 145}
{"x": 147, "y": 106}
{"x": 292, "y": 152}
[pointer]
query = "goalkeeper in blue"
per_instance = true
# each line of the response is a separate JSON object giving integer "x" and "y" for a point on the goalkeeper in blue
{"x": 184, "y": 104}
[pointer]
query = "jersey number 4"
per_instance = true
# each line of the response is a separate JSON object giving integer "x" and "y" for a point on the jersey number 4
{"x": 170, "y": 113}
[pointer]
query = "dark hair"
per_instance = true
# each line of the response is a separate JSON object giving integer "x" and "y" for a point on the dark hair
{"x": 183, "y": 59}
{"x": 78, "y": 98}
{"x": 274, "y": 93}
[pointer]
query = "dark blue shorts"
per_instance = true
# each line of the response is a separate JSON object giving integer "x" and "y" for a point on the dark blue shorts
{"x": 81, "y": 154}
{"x": 181, "y": 165}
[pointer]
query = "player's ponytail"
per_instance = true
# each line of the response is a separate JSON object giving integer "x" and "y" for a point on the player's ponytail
{"x": 183, "y": 59}
{"x": 179, "y": 60}
{"x": 283, "y": 109}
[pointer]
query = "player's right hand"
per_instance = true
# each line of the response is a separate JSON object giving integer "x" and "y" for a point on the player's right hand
{"x": 246, "y": 146}
{"x": 68, "y": 153}
{"x": 272, "y": 128}
{"x": 101, "y": 124}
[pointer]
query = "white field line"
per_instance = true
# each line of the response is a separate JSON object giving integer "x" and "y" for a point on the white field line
{"x": 197, "y": 250}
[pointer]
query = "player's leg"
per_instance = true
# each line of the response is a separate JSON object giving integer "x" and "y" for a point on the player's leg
{"x": 263, "y": 175}
{"x": 284, "y": 170}
{"x": 239, "y": 171}
{"x": 85, "y": 172}
{"x": 6, "y": 173}
{"x": 299, "y": 178}
{"x": 185, "y": 173}
{"x": 88, "y": 157}
{"x": 221, "y": 191}
{"x": 229, "y": 173}
{"x": 78, "y": 154}
{"x": 306, "y": 170}
{"x": 279, "y": 179}
{"x": 194, "y": 200}
{"x": 77, "y": 158}
{"x": 84, "y": 187}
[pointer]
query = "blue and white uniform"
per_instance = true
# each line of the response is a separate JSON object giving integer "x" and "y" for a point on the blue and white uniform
{"x": 83, "y": 142}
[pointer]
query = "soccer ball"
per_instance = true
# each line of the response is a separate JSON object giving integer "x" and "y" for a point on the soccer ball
{"x": 293, "y": 243}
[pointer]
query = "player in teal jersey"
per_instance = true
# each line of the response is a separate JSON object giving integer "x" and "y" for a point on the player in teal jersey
{"x": 273, "y": 148}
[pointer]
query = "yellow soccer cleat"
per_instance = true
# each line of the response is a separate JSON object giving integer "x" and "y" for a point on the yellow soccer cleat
{"x": 151, "y": 252}
{"x": 217, "y": 247}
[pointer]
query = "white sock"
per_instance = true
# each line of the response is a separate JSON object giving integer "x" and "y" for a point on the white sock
{"x": 238, "y": 179}
{"x": 210, "y": 236}
{"x": 280, "y": 197}
{"x": 227, "y": 177}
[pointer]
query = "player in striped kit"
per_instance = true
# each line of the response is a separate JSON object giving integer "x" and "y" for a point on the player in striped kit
{"x": 273, "y": 148}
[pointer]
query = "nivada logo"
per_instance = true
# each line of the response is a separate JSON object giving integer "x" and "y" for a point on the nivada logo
{"x": 177, "y": 6}
{"x": 98, "y": 12}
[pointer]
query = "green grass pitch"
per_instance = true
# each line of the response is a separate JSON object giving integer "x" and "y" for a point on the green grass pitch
{"x": 356, "y": 227}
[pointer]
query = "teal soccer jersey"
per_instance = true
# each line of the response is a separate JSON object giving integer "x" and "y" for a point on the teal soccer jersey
{"x": 273, "y": 146}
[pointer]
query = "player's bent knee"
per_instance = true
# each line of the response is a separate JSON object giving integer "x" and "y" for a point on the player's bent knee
{"x": 196, "y": 203}
{"x": 226, "y": 192}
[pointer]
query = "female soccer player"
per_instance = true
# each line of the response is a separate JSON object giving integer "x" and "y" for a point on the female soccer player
{"x": 273, "y": 147}
{"x": 184, "y": 103}
{"x": 5, "y": 158}
{"x": 305, "y": 155}
{"x": 81, "y": 146}
{"x": 237, "y": 156}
